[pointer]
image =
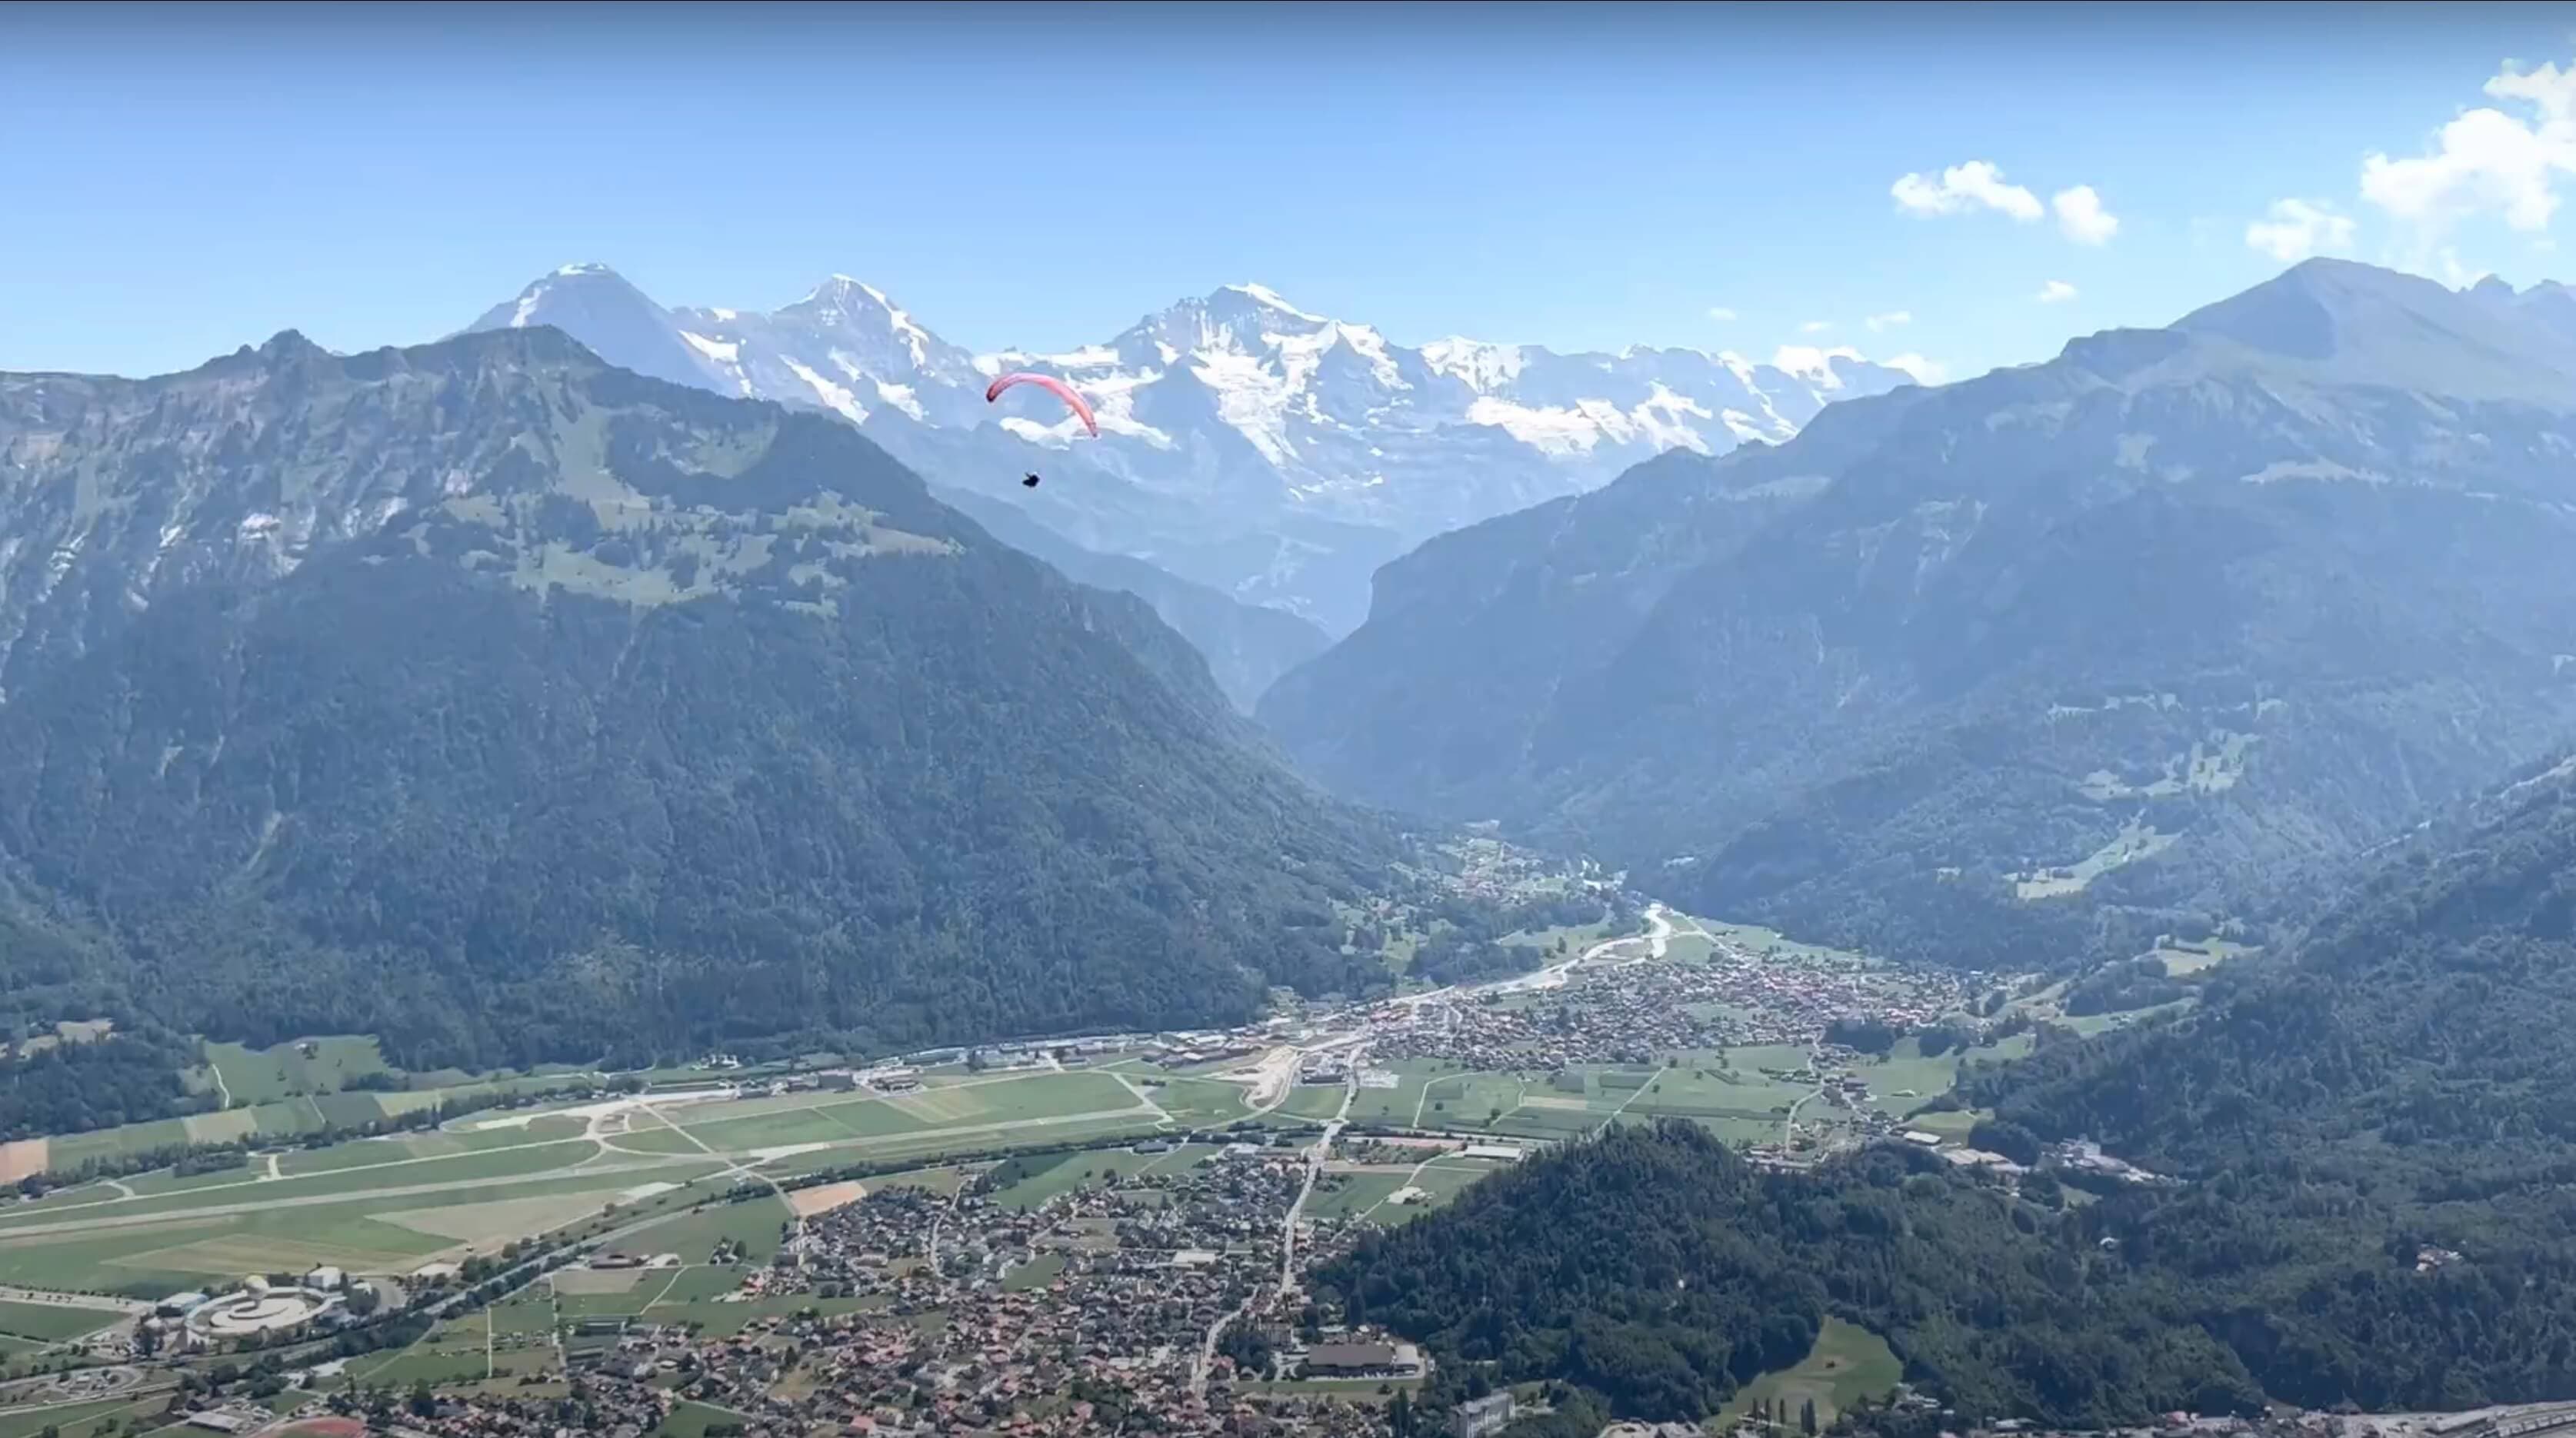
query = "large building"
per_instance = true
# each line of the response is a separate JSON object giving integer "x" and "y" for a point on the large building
{"x": 1361, "y": 1360}
{"x": 1479, "y": 1416}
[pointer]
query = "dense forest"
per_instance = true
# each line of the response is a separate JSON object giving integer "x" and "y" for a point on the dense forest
{"x": 2375, "y": 1128}
{"x": 780, "y": 751}
{"x": 121, "y": 1078}
{"x": 2356, "y": 1159}
{"x": 1659, "y": 1271}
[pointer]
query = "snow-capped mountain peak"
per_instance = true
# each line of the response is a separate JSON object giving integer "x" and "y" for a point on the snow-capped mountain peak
{"x": 1236, "y": 423}
{"x": 1269, "y": 298}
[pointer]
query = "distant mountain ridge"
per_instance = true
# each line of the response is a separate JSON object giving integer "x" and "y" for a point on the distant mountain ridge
{"x": 512, "y": 706}
{"x": 1275, "y": 455}
{"x": 1959, "y": 672}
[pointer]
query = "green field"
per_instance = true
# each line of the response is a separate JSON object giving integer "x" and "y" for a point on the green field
{"x": 1044, "y": 1178}
{"x": 524, "y": 1159}
{"x": 1772, "y": 943}
{"x": 1443, "y": 1182}
{"x": 368, "y": 1152}
{"x": 1038, "y": 1272}
{"x": 77, "y": 1419}
{"x": 1201, "y": 1102}
{"x": 451, "y": 1352}
{"x": 1315, "y": 1101}
{"x": 1469, "y": 1100}
{"x": 692, "y": 1420}
{"x": 258, "y": 1076}
{"x": 724, "y": 1320}
{"x": 1348, "y": 1195}
{"x": 362, "y": 1231}
{"x": 693, "y": 1236}
{"x": 53, "y": 1322}
{"x": 530, "y": 1312}
{"x": 700, "y": 1282}
{"x": 386, "y": 1205}
{"x": 988, "y": 1105}
{"x": 1848, "y": 1363}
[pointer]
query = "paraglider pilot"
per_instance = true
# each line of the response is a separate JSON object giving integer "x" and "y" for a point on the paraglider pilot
{"x": 1029, "y": 483}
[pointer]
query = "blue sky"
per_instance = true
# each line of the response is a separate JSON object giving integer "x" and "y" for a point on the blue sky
{"x": 179, "y": 183}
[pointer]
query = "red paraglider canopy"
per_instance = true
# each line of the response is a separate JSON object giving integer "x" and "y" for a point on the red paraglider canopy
{"x": 1052, "y": 385}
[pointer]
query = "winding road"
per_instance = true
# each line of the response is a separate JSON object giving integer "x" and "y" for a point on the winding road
{"x": 1316, "y": 1154}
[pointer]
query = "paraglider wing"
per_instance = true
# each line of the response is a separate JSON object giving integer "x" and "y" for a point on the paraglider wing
{"x": 1052, "y": 385}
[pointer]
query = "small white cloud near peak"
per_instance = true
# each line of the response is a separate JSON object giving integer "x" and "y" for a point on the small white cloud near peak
{"x": 1815, "y": 327}
{"x": 1925, "y": 371}
{"x": 2296, "y": 229}
{"x": 1271, "y": 299}
{"x": 1977, "y": 184}
{"x": 1889, "y": 320}
{"x": 1721, "y": 314}
{"x": 2459, "y": 276}
{"x": 1814, "y": 365}
{"x": 2486, "y": 161}
{"x": 2055, "y": 292}
{"x": 2081, "y": 218}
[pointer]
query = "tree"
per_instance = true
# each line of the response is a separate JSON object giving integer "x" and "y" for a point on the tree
{"x": 1399, "y": 1414}
{"x": 1807, "y": 1418}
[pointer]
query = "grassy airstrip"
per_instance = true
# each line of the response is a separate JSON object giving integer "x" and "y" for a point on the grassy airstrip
{"x": 390, "y": 1205}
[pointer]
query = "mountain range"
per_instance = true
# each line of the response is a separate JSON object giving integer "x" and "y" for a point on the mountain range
{"x": 2355, "y": 1156}
{"x": 513, "y": 706}
{"x": 1274, "y": 455}
{"x": 1968, "y": 672}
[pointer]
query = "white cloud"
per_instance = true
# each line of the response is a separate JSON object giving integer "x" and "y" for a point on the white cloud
{"x": 1925, "y": 371}
{"x": 1889, "y": 320}
{"x": 1721, "y": 314}
{"x": 2486, "y": 161}
{"x": 2055, "y": 292}
{"x": 1814, "y": 365}
{"x": 2081, "y": 218}
{"x": 1815, "y": 327}
{"x": 2459, "y": 276}
{"x": 2298, "y": 229}
{"x": 1976, "y": 184}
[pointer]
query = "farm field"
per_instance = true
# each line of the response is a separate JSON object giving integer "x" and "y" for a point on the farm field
{"x": 691, "y": 1420}
{"x": 53, "y": 1322}
{"x": 377, "y": 1205}
{"x": 1043, "y": 1178}
{"x": 149, "y": 1248}
{"x": 249, "y": 1077}
{"x": 1736, "y": 1093}
{"x": 1847, "y": 1364}
{"x": 1314, "y": 1101}
{"x": 79, "y": 1417}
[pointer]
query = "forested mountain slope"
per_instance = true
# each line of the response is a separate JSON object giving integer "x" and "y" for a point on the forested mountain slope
{"x": 1958, "y": 673}
{"x": 1658, "y": 1270}
{"x": 2374, "y": 1125}
{"x": 512, "y": 706}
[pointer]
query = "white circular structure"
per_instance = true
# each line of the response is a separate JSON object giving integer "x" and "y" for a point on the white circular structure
{"x": 260, "y": 1310}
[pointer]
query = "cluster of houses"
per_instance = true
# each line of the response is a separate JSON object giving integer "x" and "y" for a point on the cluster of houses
{"x": 1629, "y": 1013}
{"x": 985, "y": 1312}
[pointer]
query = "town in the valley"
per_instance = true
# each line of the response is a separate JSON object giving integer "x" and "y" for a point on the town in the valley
{"x": 1149, "y": 1271}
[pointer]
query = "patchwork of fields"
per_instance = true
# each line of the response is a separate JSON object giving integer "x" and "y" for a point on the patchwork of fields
{"x": 653, "y": 1171}
{"x": 391, "y": 1204}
